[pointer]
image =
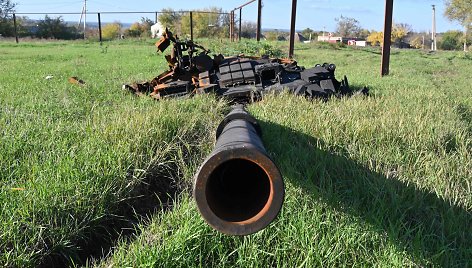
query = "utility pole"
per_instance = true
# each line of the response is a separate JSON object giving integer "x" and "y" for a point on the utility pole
{"x": 85, "y": 16}
{"x": 433, "y": 32}
{"x": 465, "y": 37}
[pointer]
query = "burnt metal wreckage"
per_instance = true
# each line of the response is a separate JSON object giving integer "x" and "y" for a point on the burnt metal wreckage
{"x": 240, "y": 79}
{"x": 238, "y": 189}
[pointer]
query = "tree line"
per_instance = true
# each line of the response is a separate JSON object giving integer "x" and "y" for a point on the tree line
{"x": 47, "y": 28}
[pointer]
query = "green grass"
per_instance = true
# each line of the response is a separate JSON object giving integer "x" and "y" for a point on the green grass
{"x": 378, "y": 181}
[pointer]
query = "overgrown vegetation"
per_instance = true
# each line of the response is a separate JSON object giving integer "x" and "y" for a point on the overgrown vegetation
{"x": 6, "y": 7}
{"x": 378, "y": 181}
{"x": 111, "y": 31}
{"x": 55, "y": 28}
{"x": 460, "y": 11}
{"x": 140, "y": 29}
{"x": 207, "y": 22}
{"x": 246, "y": 47}
{"x": 400, "y": 32}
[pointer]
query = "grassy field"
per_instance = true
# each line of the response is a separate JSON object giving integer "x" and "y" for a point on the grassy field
{"x": 94, "y": 176}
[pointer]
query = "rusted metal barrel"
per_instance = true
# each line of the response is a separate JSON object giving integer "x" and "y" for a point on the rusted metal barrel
{"x": 238, "y": 189}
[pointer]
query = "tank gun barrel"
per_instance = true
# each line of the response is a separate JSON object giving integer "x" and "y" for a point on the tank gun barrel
{"x": 238, "y": 188}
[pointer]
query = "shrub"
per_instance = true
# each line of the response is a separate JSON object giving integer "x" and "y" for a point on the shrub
{"x": 111, "y": 31}
{"x": 451, "y": 40}
{"x": 140, "y": 29}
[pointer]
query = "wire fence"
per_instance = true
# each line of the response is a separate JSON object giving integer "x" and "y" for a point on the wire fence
{"x": 90, "y": 26}
{"x": 201, "y": 23}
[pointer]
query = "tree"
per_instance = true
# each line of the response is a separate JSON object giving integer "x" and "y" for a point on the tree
{"x": 275, "y": 35}
{"x": 248, "y": 29}
{"x": 375, "y": 38}
{"x": 146, "y": 24}
{"x": 363, "y": 34}
{"x": 399, "y": 32}
{"x": 417, "y": 42}
{"x": 460, "y": 11}
{"x": 55, "y": 28}
{"x": 25, "y": 26}
{"x": 6, "y": 24}
{"x": 6, "y": 7}
{"x": 140, "y": 29}
{"x": 134, "y": 30}
{"x": 451, "y": 40}
{"x": 111, "y": 31}
{"x": 171, "y": 19}
{"x": 348, "y": 27}
{"x": 306, "y": 32}
{"x": 208, "y": 22}
{"x": 419, "y": 39}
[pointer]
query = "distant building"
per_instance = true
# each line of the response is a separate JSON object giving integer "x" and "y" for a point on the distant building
{"x": 348, "y": 41}
{"x": 362, "y": 43}
{"x": 330, "y": 39}
{"x": 357, "y": 43}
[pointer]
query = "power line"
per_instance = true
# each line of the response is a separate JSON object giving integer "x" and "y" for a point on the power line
{"x": 108, "y": 5}
{"x": 62, "y": 3}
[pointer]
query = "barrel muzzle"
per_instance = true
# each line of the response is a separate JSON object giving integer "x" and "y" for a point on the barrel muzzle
{"x": 238, "y": 189}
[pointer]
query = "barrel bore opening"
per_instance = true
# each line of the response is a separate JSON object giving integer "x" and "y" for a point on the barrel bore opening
{"x": 237, "y": 190}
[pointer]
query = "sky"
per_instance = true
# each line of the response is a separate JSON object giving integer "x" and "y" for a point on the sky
{"x": 315, "y": 14}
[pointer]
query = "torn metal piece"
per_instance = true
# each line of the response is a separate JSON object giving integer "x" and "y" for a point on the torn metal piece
{"x": 76, "y": 81}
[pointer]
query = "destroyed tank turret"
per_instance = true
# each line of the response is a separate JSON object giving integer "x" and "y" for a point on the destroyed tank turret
{"x": 240, "y": 79}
